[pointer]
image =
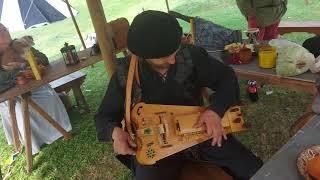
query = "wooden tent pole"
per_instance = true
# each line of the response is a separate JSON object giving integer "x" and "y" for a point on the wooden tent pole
{"x": 104, "y": 34}
{"x": 75, "y": 24}
{"x": 168, "y": 9}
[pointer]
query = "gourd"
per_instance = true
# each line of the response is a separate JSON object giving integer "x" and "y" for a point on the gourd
{"x": 313, "y": 167}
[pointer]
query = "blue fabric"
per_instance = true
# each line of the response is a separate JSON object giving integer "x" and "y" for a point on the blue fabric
{"x": 212, "y": 36}
{"x": 48, "y": 11}
{"x": 40, "y": 12}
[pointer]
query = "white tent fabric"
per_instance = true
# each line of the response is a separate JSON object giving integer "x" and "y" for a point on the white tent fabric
{"x": 18, "y": 15}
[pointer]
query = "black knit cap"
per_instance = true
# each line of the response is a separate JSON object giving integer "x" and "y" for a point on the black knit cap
{"x": 154, "y": 34}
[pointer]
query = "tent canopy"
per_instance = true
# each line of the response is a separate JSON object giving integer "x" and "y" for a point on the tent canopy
{"x": 18, "y": 15}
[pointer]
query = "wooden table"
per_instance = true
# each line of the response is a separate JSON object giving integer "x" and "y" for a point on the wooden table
{"x": 303, "y": 26}
{"x": 55, "y": 70}
{"x": 72, "y": 82}
{"x": 304, "y": 82}
{"x": 283, "y": 164}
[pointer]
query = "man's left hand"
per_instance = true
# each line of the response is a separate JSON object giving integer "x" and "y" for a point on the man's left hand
{"x": 212, "y": 121}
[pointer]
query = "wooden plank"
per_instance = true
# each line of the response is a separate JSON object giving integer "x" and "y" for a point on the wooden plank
{"x": 104, "y": 34}
{"x": 254, "y": 67}
{"x": 50, "y": 120}
{"x": 27, "y": 129}
{"x": 301, "y": 122}
{"x": 294, "y": 26}
{"x": 55, "y": 70}
{"x": 81, "y": 101}
{"x": 14, "y": 125}
{"x": 303, "y": 82}
{"x": 283, "y": 164}
{"x": 67, "y": 79}
{"x": 306, "y": 24}
{"x": 305, "y": 118}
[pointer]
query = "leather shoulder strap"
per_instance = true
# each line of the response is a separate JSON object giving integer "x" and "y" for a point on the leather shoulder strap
{"x": 132, "y": 68}
{"x": 193, "y": 33}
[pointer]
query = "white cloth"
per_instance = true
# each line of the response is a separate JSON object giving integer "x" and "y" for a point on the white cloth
{"x": 41, "y": 131}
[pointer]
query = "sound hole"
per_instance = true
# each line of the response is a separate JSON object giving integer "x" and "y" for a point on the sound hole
{"x": 237, "y": 120}
{"x": 139, "y": 110}
{"x": 151, "y": 153}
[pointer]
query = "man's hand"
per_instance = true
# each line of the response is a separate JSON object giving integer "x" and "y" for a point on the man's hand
{"x": 12, "y": 66}
{"x": 122, "y": 142}
{"x": 213, "y": 124}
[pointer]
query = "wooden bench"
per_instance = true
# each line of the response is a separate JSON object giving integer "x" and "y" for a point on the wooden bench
{"x": 72, "y": 82}
{"x": 295, "y": 26}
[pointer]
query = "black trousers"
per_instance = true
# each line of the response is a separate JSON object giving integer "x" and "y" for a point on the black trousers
{"x": 233, "y": 157}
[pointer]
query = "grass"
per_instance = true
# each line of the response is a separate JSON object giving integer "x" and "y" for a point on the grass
{"x": 83, "y": 157}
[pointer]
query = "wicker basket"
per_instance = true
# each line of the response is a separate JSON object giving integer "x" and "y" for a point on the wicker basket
{"x": 303, "y": 159}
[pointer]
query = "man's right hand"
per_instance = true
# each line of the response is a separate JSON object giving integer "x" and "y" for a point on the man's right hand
{"x": 122, "y": 142}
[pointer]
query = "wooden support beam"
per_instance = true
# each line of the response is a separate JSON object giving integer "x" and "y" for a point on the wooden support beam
{"x": 50, "y": 120}
{"x": 27, "y": 129}
{"x": 305, "y": 86}
{"x": 14, "y": 125}
{"x": 104, "y": 34}
{"x": 301, "y": 122}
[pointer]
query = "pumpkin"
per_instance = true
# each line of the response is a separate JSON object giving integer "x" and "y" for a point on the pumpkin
{"x": 313, "y": 167}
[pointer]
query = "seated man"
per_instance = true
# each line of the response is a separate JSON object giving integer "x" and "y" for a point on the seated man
{"x": 45, "y": 97}
{"x": 171, "y": 73}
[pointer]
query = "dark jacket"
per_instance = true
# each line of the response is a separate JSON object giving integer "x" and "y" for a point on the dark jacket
{"x": 203, "y": 71}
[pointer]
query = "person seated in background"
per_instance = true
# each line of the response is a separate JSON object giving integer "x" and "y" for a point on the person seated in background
{"x": 41, "y": 131}
{"x": 263, "y": 14}
{"x": 313, "y": 45}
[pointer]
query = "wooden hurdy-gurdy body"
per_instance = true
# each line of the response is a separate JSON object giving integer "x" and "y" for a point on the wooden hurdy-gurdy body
{"x": 163, "y": 130}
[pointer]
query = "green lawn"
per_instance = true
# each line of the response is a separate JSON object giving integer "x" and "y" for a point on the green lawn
{"x": 83, "y": 157}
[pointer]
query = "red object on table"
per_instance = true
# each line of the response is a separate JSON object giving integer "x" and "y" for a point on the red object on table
{"x": 234, "y": 58}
